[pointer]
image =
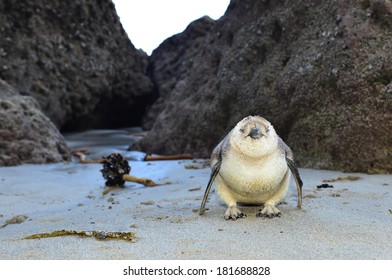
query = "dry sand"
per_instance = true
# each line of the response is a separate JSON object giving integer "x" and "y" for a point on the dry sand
{"x": 352, "y": 220}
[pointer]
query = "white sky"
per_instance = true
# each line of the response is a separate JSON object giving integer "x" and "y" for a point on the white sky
{"x": 149, "y": 22}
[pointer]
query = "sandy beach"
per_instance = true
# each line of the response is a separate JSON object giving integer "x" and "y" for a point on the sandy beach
{"x": 352, "y": 220}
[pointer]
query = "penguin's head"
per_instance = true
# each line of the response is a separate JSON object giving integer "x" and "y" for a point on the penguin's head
{"x": 254, "y": 137}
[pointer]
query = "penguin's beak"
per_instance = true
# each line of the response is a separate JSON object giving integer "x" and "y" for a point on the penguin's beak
{"x": 255, "y": 133}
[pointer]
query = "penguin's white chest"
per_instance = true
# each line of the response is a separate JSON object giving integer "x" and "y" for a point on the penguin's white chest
{"x": 253, "y": 177}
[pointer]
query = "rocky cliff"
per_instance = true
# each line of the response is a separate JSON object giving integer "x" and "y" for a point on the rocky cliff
{"x": 26, "y": 134}
{"x": 75, "y": 59}
{"x": 64, "y": 65}
{"x": 320, "y": 71}
{"x": 171, "y": 63}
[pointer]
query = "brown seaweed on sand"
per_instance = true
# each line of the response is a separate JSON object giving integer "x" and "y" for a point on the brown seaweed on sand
{"x": 99, "y": 235}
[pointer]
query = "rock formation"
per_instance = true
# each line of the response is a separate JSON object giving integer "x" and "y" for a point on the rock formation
{"x": 172, "y": 62}
{"x": 320, "y": 71}
{"x": 75, "y": 59}
{"x": 26, "y": 134}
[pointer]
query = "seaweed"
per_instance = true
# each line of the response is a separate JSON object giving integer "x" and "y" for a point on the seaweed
{"x": 324, "y": 186}
{"x": 99, "y": 235}
{"x": 116, "y": 171}
{"x": 115, "y": 166}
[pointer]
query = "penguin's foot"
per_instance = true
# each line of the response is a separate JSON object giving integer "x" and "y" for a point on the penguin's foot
{"x": 269, "y": 211}
{"x": 234, "y": 213}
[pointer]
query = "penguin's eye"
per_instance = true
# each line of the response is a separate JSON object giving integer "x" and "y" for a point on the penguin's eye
{"x": 267, "y": 129}
{"x": 242, "y": 130}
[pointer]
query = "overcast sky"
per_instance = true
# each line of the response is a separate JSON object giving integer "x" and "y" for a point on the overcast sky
{"x": 149, "y": 22}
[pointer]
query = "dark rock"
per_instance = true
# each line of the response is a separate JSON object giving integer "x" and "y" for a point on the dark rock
{"x": 172, "y": 63}
{"x": 320, "y": 71}
{"x": 26, "y": 134}
{"x": 76, "y": 60}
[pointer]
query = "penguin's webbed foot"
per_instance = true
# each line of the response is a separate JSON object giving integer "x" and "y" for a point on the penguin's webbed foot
{"x": 234, "y": 213}
{"x": 269, "y": 211}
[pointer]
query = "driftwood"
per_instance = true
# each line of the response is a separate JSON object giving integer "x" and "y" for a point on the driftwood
{"x": 141, "y": 134}
{"x": 82, "y": 157}
{"x": 168, "y": 157}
